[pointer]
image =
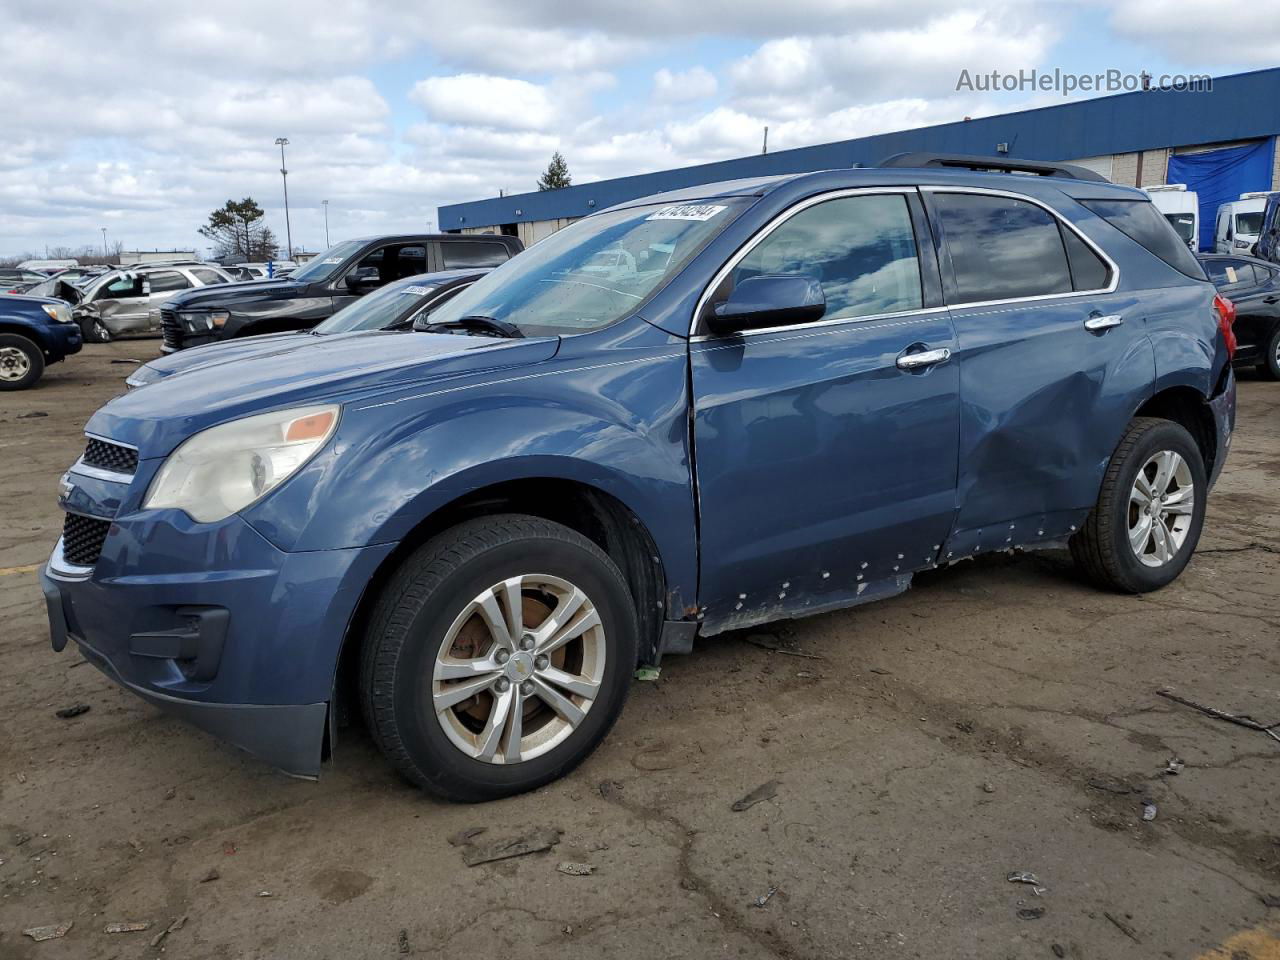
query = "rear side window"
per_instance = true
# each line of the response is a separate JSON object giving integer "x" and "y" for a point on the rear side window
{"x": 207, "y": 276}
{"x": 460, "y": 254}
{"x": 1139, "y": 220}
{"x": 165, "y": 281}
{"x": 1088, "y": 271}
{"x": 861, "y": 249}
{"x": 1230, "y": 273}
{"x": 1002, "y": 248}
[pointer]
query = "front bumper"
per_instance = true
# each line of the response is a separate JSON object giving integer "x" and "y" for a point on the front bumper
{"x": 67, "y": 339}
{"x": 213, "y": 623}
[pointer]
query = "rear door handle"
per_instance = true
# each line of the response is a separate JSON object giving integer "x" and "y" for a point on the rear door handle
{"x": 1270, "y": 299}
{"x": 925, "y": 358}
{"x": 1103, "y": 323}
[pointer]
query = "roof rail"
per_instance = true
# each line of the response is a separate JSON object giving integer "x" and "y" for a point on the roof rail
{"x": 971, "y": 162}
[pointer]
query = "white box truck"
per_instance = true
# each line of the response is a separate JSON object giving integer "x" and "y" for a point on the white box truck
{"x": 1181, "y": 207}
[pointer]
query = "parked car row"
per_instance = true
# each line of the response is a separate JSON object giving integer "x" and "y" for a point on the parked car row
{"x": 690, "y": 413}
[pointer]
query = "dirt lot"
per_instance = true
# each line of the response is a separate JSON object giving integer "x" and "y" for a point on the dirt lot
{"x": 1000, "y": 716}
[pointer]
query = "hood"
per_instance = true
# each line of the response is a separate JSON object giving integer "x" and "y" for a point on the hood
{"x": 335, "y": 369}
{"x": 234, "y": 294}
{"x": 229, "y": 351}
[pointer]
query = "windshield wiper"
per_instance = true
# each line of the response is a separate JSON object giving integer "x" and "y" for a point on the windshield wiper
{"x": 489, "y": 325}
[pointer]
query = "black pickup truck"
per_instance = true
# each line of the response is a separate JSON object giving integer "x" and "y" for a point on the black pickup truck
{"x": 322, "y": 287}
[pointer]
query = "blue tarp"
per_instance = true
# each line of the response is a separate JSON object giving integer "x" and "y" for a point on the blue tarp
{"x": 1219, "y": 176}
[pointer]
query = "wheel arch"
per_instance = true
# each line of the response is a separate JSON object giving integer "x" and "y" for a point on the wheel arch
{"x": 596, "y": 514}
{"x": 1187, "y": 406}
{"x": 32, "y": 331}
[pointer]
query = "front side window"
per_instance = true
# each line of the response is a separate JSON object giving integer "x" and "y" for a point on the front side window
{"x": 460, "y": 254}
{"x": 121, "y": 288}
{"x": 1002, "y": 248}
{"x": 1250, "y": 224}
{"x": 208, "y": 276}
{"x": 861, "y": 249}
{"x": 596, "y": 271}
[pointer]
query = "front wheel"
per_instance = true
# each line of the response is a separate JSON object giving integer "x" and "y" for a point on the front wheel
{"x": 1146, "y": 523}
{"x": 498, "y": 657}
{"x": 21, "y": 362}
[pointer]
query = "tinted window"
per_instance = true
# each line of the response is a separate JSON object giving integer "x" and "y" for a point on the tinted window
{"x": 1249, "y": 224}
{"x": 861, "y": 249}
{"x": 1002, "y": 248}
{"x": 164, "y": 281}
{"x": 207, "y": 276}
{"x": 1088, "y": 271}
{"x": 1231, "y": 273}
{"x": 472, "y": 254}
{"x": 1141, "y": 221}
{"x": 1184, "y": 225}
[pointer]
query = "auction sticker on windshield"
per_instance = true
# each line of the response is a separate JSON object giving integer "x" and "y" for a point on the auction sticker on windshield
{"x": 418, "y": 291}
{"x": 687, "y": 211}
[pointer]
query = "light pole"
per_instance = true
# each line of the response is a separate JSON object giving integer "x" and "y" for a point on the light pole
{"x": 326, "y": 223}
{"x": 282, "y": 142}
{"x": 104, "y": 242}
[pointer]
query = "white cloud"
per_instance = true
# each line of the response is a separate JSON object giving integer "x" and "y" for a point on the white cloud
{"x": 696, "y": 83}
{"x": 472, "y": 99}
{"x": 1200, "y": 32}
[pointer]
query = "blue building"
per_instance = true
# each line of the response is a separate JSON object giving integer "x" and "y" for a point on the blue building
{"x": 1141, "y": 139}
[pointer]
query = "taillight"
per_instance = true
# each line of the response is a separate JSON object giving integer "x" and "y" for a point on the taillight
{"x": 1226, "y": 322}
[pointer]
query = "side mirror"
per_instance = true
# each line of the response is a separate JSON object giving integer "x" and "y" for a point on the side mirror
{"x": 359, "y": 282}
{"x": 769, "y": 301}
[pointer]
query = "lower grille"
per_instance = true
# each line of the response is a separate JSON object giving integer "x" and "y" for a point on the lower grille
{"x": 170, "y": 328}
{"x": 110, "y": 456}
{"x": 82, "y": 539}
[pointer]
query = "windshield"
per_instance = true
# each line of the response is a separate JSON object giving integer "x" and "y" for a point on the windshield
{"x": 377, "y": 310}
{"x": 1249, "y": 223}
{"x": 1183, "y": 224}
{"x": 596, "y": 271}
{"x": 323, "y": 266}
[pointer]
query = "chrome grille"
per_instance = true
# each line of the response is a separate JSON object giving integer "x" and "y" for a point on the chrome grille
{"x": 110, "y": 456}
{"x": 82, "y": 538}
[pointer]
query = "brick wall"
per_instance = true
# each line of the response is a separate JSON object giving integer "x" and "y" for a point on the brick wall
{"x": 1124, "y": 169}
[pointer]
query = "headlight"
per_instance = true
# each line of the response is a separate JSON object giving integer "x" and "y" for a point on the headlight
{"x": 224, "y": 469}
{"x": 58, "y": 311}
{"x": 198, "y": 321}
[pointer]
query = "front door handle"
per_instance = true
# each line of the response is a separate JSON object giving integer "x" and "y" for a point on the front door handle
{"x": 925, "y": 358}
{"x": 1096, "y": 323}
{"x": 1272, "y": 299}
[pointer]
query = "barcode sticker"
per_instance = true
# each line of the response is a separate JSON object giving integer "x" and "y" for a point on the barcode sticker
{"x": 687, "y": 211}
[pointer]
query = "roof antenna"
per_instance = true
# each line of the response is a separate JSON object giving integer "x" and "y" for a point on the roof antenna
{"x": 765, "y": 149}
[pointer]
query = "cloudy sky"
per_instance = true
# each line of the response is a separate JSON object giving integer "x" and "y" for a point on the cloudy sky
{"x": 143, "y": 116}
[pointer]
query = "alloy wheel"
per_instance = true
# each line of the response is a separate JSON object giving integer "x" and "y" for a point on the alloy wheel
{"x": 1161, "y": 508}
{"x": 518, "y": 669}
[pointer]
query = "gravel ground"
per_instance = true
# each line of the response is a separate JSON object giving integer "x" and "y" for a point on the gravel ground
{"x": 1000, "y": 716}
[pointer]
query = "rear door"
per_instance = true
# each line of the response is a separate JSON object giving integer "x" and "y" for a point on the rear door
{"x": 1049, "y": 357}
{"x": 825, "y": 456}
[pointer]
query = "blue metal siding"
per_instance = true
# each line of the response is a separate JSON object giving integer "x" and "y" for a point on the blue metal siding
{"x": 1119, "y": 124}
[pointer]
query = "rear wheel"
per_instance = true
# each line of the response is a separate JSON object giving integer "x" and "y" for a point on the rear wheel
{"x": 21, "y": 362}
{"x": 1269, "y": 366}
{"x": 498, "y": 657}
{"x": 1146, "y": 523}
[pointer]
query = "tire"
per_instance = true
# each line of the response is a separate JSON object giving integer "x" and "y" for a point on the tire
{"x": 21, "y": 362}
{"x": 1269, "y": 366}
{"x": 427, "y": 608}
{"x": 101, "y": 333}
{"x": 1102, "y": 547}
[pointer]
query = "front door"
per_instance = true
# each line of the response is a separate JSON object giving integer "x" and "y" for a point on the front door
{"x": 826, "y": 453}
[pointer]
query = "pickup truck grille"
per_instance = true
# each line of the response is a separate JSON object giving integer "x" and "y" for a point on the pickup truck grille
{"x": 170, "y": 328}
{"x": 110, "y": 456}
{"x": 82, "y": 538}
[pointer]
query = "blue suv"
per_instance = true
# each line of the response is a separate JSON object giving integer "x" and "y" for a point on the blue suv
{"x": 692, "y": 413}
{"x": 34, "y": 332}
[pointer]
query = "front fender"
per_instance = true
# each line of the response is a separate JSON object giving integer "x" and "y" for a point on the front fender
{"x": 620, "y": 427}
